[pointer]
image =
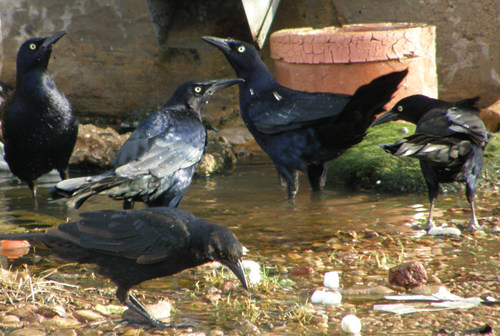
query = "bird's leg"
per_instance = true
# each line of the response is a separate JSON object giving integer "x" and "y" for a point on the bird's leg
{"x": 129, "y": 300}
{"x": 317, "y": 176}
{"x": 32, "y": 185}
{"x": 432, "y": 188}
{"x": 63, "y": 173}
{"x": 471, "y": 195}
{"x": 291, "y": 178}
{"x": 128, "y": 204}
{"x": 430, "y": 224}
{"x": 133, "y": 304}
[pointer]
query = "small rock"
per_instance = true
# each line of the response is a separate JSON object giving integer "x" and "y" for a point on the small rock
{"x": 213, "y": 298}
{"x": 245, "y": 327}
{"x": 365, "y": 292}
{"x": 50, "y": 312}
{"x": 491, "y": 117}
{"x": 219, "y": 156}
{"x": 27, "y": 332}
{"x": 408, "y": 275}
{"x": 351, "y": 324}
{"x": 331, "y": 279}
{"x": 426, "y": 289}
{"x": 228, "y": 286}
{"x": 96, "y": 147}
{"x": 64, "y": 332}
{"x": 23, "y": 311}
{"x": 61, "y": 322}
{"x": 326, "y": 297}
{"x": 85, "y": 315}
{"x": 9, "y": 319}
{"x": 110, "y": 309}
{"x": 15, "y": 248}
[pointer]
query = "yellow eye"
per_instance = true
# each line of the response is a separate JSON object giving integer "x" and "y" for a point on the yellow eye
{"x": 241, "y": 49}
{"x": 32, "y": 46}
{"x": 400, "y": 108}
{"x": 197, "y": 89}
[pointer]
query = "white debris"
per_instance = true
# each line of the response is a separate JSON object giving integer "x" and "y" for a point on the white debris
{"x": 326, "y": 297}
{"x": 351, "y": 324}
{"x": 331, "y": 279}
{"x": 443, "y": 294}
{"x": 443, "y": 300}
{"x": 253, "y": 271}
{"x": 435, "y": 231}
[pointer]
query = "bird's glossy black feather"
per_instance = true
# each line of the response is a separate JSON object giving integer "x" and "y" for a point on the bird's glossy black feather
{"x": 301, "y": 131}
{"x": 133, "y": 246}
{"x": 449, "y": 141}
{"x": 156, "y": 163}
{"x": 38, "y": 126}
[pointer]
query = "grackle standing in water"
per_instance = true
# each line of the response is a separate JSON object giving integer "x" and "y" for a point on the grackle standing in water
{"x": 157, "y": 162}
{"x": 301, "y": 131}
{"x": 38, "y": 126}
{"x": 449, "y": 142}
{"x": 133, "y": 246}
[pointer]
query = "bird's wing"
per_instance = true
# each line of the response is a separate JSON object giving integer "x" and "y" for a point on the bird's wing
{"x": 145, "y": 236}
{"x": 284, "y": 110}
{"x": 438, "y": 150}
{"x": 469, "y": 123}
{"x": 160, "y": 158}
{"x": 463, "y": 123}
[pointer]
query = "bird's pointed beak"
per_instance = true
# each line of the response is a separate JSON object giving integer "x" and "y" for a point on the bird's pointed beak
{"x": 50, "y": 40}
{"x": 237, "y": 269}
{"x": 224, "y": 83}
{"x": 386, "y": 117}
{"x": 218, "y": 43}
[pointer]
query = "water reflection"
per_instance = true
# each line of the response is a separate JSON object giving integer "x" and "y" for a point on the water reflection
{"x": 249, "y": 201}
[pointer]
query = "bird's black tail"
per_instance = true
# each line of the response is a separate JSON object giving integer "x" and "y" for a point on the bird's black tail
{"x": 360, "y": 111}
{"x": 78, "y": 190}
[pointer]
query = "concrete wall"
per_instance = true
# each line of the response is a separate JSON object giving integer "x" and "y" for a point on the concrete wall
{"x": 111, "y": 63}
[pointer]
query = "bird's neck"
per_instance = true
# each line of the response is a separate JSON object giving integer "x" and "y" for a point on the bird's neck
{"x": 35, "y": 81}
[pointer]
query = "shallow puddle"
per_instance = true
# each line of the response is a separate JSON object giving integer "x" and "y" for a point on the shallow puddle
{"x": 360, "y": 234}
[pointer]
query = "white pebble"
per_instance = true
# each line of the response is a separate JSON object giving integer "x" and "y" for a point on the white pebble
{"x": 326, "y": 297}
{"x": 435, "y": 231}
{"x": 351, "y": 324}
{"x": 331, "y": 279}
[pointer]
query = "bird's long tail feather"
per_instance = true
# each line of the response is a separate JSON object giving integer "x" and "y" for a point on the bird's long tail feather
{"x": 360, "y": 111}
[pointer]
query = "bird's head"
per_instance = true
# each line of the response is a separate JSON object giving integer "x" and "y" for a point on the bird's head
{"x": 410, "y": 109}
{"x": 224, "y": 247}
{"x": 243, "y": 57}
{"x": 197, "y": 93}
{"x": 35, "y": 52}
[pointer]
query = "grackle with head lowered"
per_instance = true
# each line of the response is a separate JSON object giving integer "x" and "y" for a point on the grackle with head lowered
{"x": 133, "y": 246}
{"x": 302, "y": 131}
{"x": 157, "y": 162}
{"x": 449, "y": 141}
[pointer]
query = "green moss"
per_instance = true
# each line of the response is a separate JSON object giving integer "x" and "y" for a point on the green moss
{"x": 368, "y": 166}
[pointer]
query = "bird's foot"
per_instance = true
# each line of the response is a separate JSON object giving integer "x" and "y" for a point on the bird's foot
{"x": 429, "y": 225}
{"x": 473, "y": 226}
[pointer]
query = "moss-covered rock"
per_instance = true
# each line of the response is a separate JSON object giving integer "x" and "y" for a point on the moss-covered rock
{"x": 368, "y": 166}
